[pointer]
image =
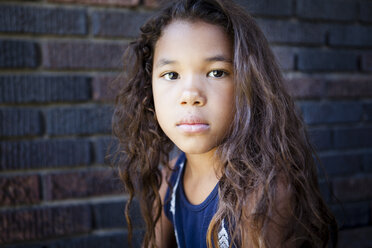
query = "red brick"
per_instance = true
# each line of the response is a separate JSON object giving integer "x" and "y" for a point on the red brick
{"x": 82, "y": 55}
{"x": 19, "y": 190}
{"x": 353, "y": 189}
{"x": 350, "y": 87}
{"x": 81, "y": 184}
{"x": 303, "y": 87}
{"x": 103, "y": 88}
{"x": 367, "y": 62}
{"x": 43, "y": 222}
{"x": 123, "y": 3}
{"x": 152, "y": 3}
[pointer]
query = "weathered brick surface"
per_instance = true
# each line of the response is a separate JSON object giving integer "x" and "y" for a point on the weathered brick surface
{"x": 118, "y": 24}
{"x": 290, "y": 32}
{"x": 367, "y": 62}
{"x": 353, "y": 137}
{"x": 267, "y": 7}
{"x": 358, "y": 237}
{"x": 40, "y": 20}
{"x": 365, "y": 11}
{"x": 111, "y": 215}
{"x": 103, "y": 89}
{"x": 329, "y": 10}
{"x": 43, "y": 153}
{"x": 367, "y": 162}
{"x": 12, "y": 54}
{"x": 103, "y": 147}
{"x": 78, "y": 120}
{"x": 342, "y": 164}
{"x": 43, "y": 222}
{"x": 305, "y": 87}
{"x": 114, "y": 239}
{"x": 321, "y": 138}
{"x": 20, "y": 122}
{"x": 19, "y": 190}
{"x": 352, "y": 87}
{"x": 352, "y": 214}
{"x": 353, "y": 188}
{"x": 368, "y": 111}
{"x": 43, "y": 89}
{"x": 82, "y": 55}
{"x": 285, "y": 57}
{"x": 77, "y": 184}
{"x": 350, "y": 36}
{"x": 327, "y": 60}
{"x": 331, "y": 112}
{"x": 122, "y": 3}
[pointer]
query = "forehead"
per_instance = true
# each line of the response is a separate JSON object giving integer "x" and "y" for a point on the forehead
{"x": 184, "y": 38}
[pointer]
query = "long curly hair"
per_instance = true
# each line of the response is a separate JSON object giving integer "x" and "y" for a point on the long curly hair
{"x": 267, "y": 138}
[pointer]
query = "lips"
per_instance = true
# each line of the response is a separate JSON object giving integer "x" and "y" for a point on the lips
{"x": 192, "y": 124}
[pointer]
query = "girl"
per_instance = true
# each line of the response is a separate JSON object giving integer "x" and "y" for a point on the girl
{"x": 202, "y": 77}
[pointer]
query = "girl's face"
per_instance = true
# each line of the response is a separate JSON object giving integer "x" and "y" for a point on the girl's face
{"x": 193, "y": 85}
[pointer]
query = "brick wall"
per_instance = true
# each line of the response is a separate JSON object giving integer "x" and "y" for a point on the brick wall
{"x": 56, "y": 60}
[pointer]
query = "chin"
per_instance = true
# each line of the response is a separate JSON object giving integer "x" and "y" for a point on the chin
{"x": 195, "y": 149}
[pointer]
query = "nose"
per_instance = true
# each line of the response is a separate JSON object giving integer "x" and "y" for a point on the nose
{"x": 192, "y": 94}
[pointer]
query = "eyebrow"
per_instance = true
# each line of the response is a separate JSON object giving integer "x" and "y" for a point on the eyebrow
{"x": 221, "y": 58}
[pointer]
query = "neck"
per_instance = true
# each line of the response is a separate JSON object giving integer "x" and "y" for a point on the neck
{"x": 203, "y": 165}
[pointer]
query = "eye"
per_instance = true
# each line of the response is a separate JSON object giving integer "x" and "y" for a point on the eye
{"x": 217, "y": 73}
{"x": 171, "y": 75}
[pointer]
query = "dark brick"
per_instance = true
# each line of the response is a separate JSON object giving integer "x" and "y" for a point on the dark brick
{"x": 349, "y": 87}
{"x": 353, "y": 137}
{"x": 285, "y": 57}
{"x": 20, "y": 122}
{"x": 39, "y": 20}
{"x": 19, "y": 54}
{"x": 40, "y": 89}
{"x": 111, "y": 215}
{"x": 325, "y": 190}
{"x": 368, "y": 111}
{"x": 104, "y": 147}
{"x": 321, "y": 138}
{"x": 327, "y": 10}
{"x": 305, "y": 87}
{"x": 365, "y": 11}
{"x": 43, "y": 153}
{"x": 367, "y": 162}
{"x": 367, "y": 62}
{"x": 43, "y": 222}
{"x": 353, "y": 189}
{"x": 122, "y": 3}
{"x": 326, "y": 60}
{"x": 82, "y": 55}
{"x": 152, "y": 3}
{"x": 267, "y": 7}
{"x": 78, "y": 120}
{"x": 19, "y": 190}
{"x": 79, "y": 184}
{"x": 293, "y": 32}
{"x": 103, "y": 88}
{"x": 331, "y": 112}
{"x": 118, "y": 24}
{"x": 350, "y": 36}
{"x": 357, "y": 237}
{"x": 352, "y": 214}
{"x": 342, "y": 164}
{"x": 112, "y": 239}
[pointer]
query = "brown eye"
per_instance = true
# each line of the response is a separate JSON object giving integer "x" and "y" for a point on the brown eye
{"x": 171, "y": 76}
{"x": 217, "y": 73}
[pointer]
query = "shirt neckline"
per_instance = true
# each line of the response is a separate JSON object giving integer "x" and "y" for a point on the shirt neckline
{"x": 184, "y": 199}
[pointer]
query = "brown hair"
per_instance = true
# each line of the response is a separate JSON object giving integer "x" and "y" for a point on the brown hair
{"x": 267, "y": 138}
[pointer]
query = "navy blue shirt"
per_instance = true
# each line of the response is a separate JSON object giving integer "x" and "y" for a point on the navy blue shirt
{"x": 190, "y": 221}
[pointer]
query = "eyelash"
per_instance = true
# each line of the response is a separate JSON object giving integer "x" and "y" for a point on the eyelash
{"x": 172, "y": 72}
